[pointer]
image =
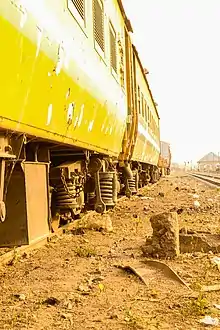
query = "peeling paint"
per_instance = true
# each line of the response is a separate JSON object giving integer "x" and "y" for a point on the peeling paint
{"x": 49, "y": 114}
{"x": 81, "y": 115}
{"x": 70, "y": 113}
{"x": 72, "y": 45}
{"x": 91, "y": 125}
{"x": 88, "y": 118}
{"x": 76, "y": 121}
{"x": 68, "y": 94}
{"x": 60, "y": 60}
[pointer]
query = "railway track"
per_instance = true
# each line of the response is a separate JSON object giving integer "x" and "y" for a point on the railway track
{"x": 209, "y": 175}
{"x": 207, "y": 178}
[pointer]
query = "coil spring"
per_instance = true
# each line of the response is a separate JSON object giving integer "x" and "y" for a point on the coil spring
{"x": 106, "y": 187}
{"x": 132, "y": 183}
{"x": 66, "y": 199}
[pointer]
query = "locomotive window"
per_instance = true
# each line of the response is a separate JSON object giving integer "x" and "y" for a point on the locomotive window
{"x": 77, "y": 9}
{"x": 98, "y": 23}
{"x": 113, "y": 48}
{"x": 139, "y": 100}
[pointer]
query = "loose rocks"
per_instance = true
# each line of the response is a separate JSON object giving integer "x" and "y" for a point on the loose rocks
{"x": 165, "y": 240}
{"x": 95, "y": 221}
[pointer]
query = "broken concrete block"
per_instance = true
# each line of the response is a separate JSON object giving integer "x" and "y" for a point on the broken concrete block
{"x": 199, "y": 242}
{"x": 165, "y": 239}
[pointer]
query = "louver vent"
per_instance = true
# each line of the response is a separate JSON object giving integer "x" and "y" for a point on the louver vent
{"x": 98, "y": 23}
{"x": 113, "y": 50}
{"x": 80, "y": 7}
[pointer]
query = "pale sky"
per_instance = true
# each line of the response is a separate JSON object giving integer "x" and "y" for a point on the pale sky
{"x": 179, "y": 43}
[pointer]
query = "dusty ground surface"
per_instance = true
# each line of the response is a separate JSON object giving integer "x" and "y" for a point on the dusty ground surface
{"x": 75, "y": 283}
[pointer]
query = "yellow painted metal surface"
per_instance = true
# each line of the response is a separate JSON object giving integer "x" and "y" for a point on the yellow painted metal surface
{"x": 147, "y": 146}
{"x": 131, "y": 128}
{"x": 54, "y": 84}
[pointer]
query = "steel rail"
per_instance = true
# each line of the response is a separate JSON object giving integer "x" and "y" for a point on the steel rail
{"x": 207, "y": 179}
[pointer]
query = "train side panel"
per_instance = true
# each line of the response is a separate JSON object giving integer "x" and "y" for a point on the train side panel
{"x": 55, "y": 84}
{"x": 147, "y": 146}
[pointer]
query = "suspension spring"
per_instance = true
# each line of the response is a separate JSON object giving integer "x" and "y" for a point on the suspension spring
{"x": 107, "y": 187}
{"x": 66, "y": 199}
{"x": 132, "y": 183}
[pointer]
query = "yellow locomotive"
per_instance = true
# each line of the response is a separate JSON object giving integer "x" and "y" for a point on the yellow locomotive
{"x": 78, "y": 122}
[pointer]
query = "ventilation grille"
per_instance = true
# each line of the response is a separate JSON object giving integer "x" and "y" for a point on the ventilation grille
{"x": 80, "y": 7}
{"x": 113, "y": 49}
{"x": 98, "y": 23}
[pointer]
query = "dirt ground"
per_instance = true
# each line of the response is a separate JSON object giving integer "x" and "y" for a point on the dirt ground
{"x": 74, "y": 282}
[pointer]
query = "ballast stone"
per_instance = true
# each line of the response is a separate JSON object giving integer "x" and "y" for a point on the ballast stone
{"x": 164, "y": 242}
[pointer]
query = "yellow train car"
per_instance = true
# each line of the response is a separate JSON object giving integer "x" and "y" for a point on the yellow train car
{"x": 60, "y": 76}
{"x": 141, "y": 145}
{"x": 78, "y": 122}
{"x": 147, "y": 146}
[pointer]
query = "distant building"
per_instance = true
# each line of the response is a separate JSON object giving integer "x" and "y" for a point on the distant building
{"x": 209, "y": 162}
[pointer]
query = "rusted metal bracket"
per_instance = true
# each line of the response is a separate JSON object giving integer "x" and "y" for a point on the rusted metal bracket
{"x": 100, "y": 206}
{"x": 5, "y": 153}
{"x": 2, "y": 179}
{"x": 128, "y": 192}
